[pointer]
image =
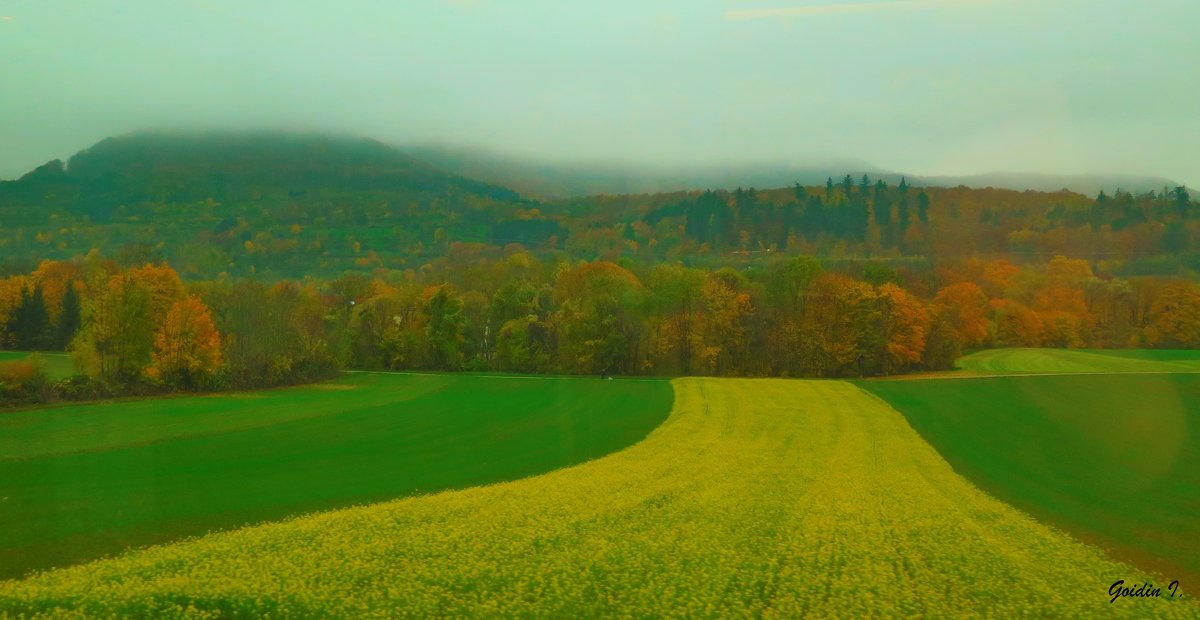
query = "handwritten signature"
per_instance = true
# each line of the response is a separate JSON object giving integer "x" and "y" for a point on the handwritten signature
{"x": 1119, "y": 589}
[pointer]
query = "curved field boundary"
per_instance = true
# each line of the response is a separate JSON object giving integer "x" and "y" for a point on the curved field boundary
{"x": 1068, "y": 361}
{"x": 1113, "y": 459}
{"x": 760, "y": 498}
{"x": 83, "y": 481}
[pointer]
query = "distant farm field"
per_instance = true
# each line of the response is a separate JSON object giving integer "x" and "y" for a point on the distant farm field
{"x": 1032, "y": 361}
{"x": 756, "y": 498}
{"x": 83, "y": 481}
{"x": 56, "y": 365}
{"x": 1113, "y": 458}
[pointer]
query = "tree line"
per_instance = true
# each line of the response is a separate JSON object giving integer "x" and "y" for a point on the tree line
{"x": 140, "y": 329}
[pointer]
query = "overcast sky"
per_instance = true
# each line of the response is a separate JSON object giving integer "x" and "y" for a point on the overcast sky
{"x": 920, "y": 86}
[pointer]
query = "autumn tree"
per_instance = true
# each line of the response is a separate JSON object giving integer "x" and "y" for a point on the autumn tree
{"x": 117, "y": 340}
{"x": 11, "y": 291}
{"x": 943, "y": 345}
{"x": 965, "y": 309}
{"x": 271, "y": 335}
{"x": 723, "y": 332}
{"x": 56, "y": 279}
{"x": 1016, "y": 324}
{"x": 163, "y": 284}
{"x": 841, "y": 330}
{"x": 442, "y": 308}
{"x": 1174, "y": 319}
{"x": 785, "y": 285}
{"x": 598, "y": 321}
{"x": 524, "y": 344}
{"x": 905, "y": 325}
{"x": 675, "y": 303}
{"x": 187, "y": 347}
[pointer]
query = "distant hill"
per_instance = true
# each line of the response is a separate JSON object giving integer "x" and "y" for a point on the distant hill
{"x": 550, "y": 180}
{"x": 177, "y": 167}
{"x": 1087, "y": 184}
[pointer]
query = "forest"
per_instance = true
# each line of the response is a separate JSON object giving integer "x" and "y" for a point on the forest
{"x": 290, "y": 206}
{"x": 281, "y": 260}
{"x": 143, "y": 329}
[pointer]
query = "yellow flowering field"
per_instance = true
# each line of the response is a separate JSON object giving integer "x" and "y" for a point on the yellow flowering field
{"x": 756, "y": 498}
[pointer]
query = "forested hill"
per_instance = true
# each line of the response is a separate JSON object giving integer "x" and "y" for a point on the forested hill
{"x": 271, "y": 168}
{"x": 292, "y": 205}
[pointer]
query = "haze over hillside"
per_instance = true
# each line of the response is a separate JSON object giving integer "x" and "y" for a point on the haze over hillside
{"x": 297, "y": 203}
{"x": 926, "y": 87}
{"x": 179, "y": 160}
{"x": 560, "y": 179}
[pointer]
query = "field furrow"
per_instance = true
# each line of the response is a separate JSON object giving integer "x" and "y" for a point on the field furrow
{"x": 763, "y": 498}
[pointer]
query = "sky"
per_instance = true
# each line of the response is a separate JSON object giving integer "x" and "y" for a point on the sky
{"x": 932, "y": 87}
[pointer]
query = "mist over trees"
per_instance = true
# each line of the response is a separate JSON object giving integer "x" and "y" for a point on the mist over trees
{"x": 285, "y": 206}
{"x": 163, "y": 263}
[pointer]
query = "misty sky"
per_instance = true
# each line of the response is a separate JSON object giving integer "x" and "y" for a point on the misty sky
{"x": 920, "y": 86}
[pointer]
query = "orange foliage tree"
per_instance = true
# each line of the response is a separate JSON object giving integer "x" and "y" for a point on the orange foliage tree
{"x": 905, "y": 324}
{"x": 1174, "y": 319}
{"x": 965, "y": 306}
{"x": 187, "y": 347}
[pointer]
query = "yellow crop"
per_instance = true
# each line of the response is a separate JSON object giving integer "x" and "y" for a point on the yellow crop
{"x": 756, "y": 498}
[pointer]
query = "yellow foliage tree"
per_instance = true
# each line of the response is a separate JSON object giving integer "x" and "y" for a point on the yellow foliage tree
{"x": 187, "y": 348}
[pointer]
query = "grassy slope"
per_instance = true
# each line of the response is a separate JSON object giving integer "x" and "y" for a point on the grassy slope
{"x": 756, "y": 497}
{"x": 83, "y": 481}
{"x": 57, "y": 365}
{"x": 1011, "y": 361}
{"x": 1114, "y": 459}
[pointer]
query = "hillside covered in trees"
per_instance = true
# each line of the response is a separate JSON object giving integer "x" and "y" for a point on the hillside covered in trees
{"x": 202, "y": 261}
{"x": 291, "y": 205}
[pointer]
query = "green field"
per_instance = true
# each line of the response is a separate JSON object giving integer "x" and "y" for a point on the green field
{"x": 84, "y": 481}
{"x": 1033, "y": 361}
{"x": 756, "y": 498}
{"x": 1114, "y": 460}
{"x": 57, "y": 365}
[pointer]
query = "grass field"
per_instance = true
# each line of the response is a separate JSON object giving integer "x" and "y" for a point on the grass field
{"x": 57, "y": 365}
{"x": 1114, "y": 460}
{"x": 1032, "y": 361}
{"x": 756, "y": 498}
{"x": 79, "y": 482}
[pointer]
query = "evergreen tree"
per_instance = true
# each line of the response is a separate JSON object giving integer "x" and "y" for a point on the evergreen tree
{"x": 923, "y": 207}
{"x": 812, "y": 219}
{"x": 1181, "y": 200}
{"x": 881, "y": 206}
{"x": 69, "y": 320}
{"x": 30, "y": 323}
{"x": 902, "y": 213}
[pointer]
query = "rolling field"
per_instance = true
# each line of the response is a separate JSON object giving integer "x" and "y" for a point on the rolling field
{"x": 57, "y": 365}
{"x": 1114, "y": 460}
{"x": 78, "y": 482}
{"x": 756, "y": 498}
{"x": 1032, "y": 361}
